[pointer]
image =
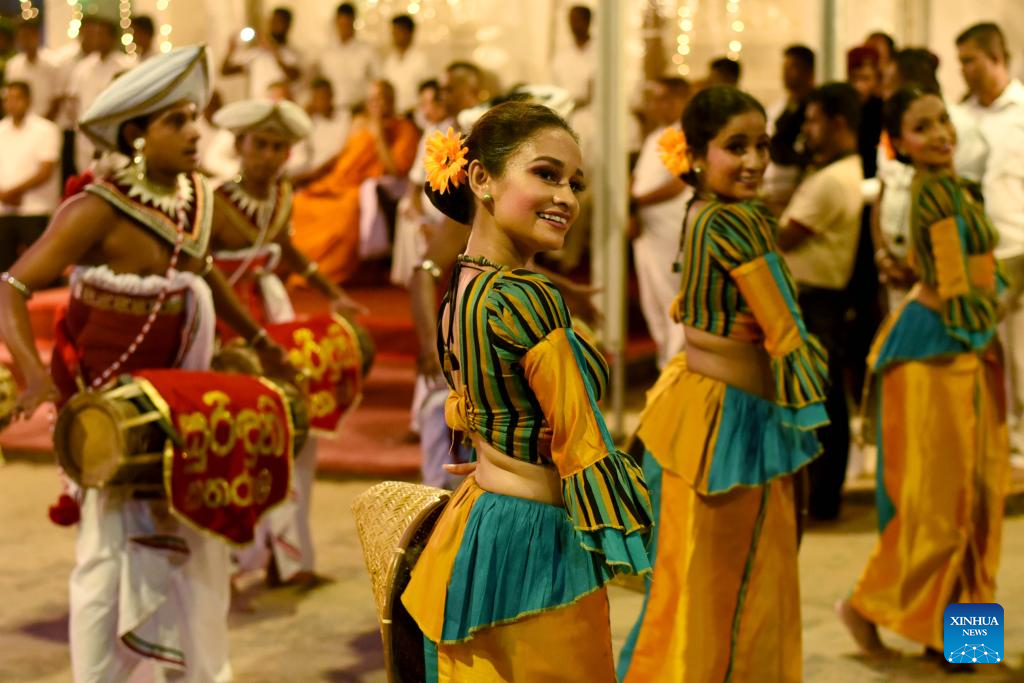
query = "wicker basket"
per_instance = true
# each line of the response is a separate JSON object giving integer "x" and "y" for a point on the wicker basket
{"x": 394, "y": 520}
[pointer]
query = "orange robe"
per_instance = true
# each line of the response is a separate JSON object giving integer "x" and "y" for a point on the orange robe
{"x": 326, "y": 214}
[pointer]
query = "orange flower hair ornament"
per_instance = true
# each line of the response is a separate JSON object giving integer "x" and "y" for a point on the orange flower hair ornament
{"x": 672, "y": 151}
{"x": 445, "y": 161}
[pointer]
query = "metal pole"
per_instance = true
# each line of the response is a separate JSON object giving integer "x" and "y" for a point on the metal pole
{"x": 828, "y": 41}
{"x": 608, "y": 243}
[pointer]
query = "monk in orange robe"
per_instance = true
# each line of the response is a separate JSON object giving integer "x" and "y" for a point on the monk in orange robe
{"x": 326, "y": 213}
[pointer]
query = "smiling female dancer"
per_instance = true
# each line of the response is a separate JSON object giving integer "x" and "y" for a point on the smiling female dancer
{"x": 511, "y": 584}
{"x": 728, "y": 424}
{"x": 943, "y": 448}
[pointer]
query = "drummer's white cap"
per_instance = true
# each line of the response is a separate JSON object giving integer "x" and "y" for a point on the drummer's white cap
{"x": 553, "y": 97}
{"x": 155, "y": 84}
{"x": 284, "y": 117}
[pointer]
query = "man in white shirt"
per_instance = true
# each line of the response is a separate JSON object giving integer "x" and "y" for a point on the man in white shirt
{"x": 997, "y": 104}
{"x": 269, "y": 60}
{"x": 659, "y": 200}
{"x": 313, "y": 154}
{"x": 573, "y": 68}
{"x": 36, "y": 67}
{"x": 350, "y": 64}
{"x": 818, "y": 234}
{"x": 406, "y": 67}
{"x": 92, "y": 74}
{"x": 29, "y": 172}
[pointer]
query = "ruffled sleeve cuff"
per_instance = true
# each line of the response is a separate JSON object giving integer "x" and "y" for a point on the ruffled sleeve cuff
{"x": 800, "y": 379}
{"x": 610, "y": 507}
{"x": 971, "y": 319}
{"x": 799, "y": 363}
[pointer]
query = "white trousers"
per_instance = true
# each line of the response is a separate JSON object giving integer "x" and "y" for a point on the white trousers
{"x": 654, "y": 253}
{"x": 142, "y": 607}
{"x": 284, "y": 531}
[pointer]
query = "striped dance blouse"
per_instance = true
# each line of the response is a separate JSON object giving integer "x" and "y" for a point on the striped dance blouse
{"x": 735, "y": 285}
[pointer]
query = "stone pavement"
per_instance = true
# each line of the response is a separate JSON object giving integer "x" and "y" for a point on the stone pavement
{"x": 330, "y": 633}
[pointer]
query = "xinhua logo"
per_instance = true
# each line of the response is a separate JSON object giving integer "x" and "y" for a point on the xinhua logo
{"x": 973, "y": 633}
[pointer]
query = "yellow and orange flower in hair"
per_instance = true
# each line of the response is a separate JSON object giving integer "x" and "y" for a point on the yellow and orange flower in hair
{"x": 672, "y": 151}
{"x": 445, "y": 161}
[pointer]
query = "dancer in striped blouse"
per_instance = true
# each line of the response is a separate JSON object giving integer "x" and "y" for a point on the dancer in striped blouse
{"x": 510, "y": 586}
{"x": 943, "y": 446}
{"x": 728, "y": 426}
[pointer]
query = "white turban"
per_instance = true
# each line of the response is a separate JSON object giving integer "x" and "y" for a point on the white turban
{"x": 152, "y": 86}
{"x": 282, "y": 117}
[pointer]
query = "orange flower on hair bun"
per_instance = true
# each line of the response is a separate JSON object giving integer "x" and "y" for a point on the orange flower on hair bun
{"x": 672, "y": 151}
{"x": 445, "y": 161}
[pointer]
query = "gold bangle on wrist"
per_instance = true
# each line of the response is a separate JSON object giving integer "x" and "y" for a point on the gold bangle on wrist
{"x": 430, "y": 267}
{"x": 17, "y": 284}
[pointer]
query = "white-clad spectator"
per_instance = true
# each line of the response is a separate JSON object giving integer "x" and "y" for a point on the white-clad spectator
{"x": 997, "y": 103}
{"x": 573, "y": 68}
{"x": 417, "y": 218}
{"x": 406, "y": 66}
{"x": 330, "y": 130}
{"x": 218, "y": 157}
{"x": 143, "y": 32}
{"x": 92, "y": 74}
{"x": 29, "y": 172}
{"x": 266, "y": 58}
{"x": 38, "y": 68}
{"x": 659, "y": 200}
{"x": 350, "y": 64}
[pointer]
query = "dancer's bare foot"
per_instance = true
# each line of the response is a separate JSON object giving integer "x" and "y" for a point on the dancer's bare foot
{"x": 864, "y": 632}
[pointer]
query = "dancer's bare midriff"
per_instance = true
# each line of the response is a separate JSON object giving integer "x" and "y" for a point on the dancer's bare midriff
{"x": 739, "y": 364}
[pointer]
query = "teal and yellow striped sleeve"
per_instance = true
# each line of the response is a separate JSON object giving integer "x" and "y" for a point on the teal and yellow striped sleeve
{"x": 603, "y": 490}
{"x": 953, "y": 242}
{"x": 742, "y": 240}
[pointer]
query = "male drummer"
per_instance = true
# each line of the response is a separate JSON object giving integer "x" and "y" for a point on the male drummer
{"x": 251, "y": 236}
{"x": 149, "y": 595}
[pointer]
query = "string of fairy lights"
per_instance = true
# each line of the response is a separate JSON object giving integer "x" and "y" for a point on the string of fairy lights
{"x": 683, "y": 47}
{"x": 732, "y": 8}
{"x": 687, "y": 11}
{"x": 124, "y": 22}
{"x": 28, "y": 12}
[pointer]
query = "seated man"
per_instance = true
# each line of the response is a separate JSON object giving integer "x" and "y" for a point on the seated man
{"x": 326, "y": 214}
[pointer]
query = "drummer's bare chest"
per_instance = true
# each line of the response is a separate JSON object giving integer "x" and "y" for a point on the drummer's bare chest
{"x": 130, "y": 248}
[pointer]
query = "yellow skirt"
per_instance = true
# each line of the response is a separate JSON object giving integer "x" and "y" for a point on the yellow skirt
{"x": 723, "y": 602}
{"x": 560, "y": 645}
{"x": 944, "y": 458}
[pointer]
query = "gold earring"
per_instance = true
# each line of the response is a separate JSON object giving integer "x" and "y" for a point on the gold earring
{"x": 487, "y": 197}
{"x": 138, "y": 160}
